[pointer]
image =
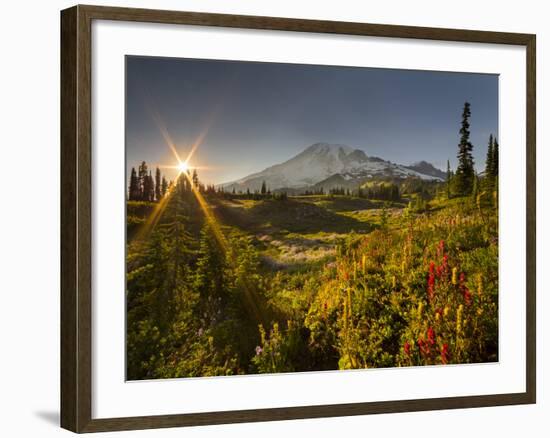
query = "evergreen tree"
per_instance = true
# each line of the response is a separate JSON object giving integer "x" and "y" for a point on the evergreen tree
{"x": 464, "y": 177}
{"x": 142, "y": 180}
{"x": 489, "y": 165}
{"x": 264, "y": 188}
{"x": 164, "y": 186}
{"x": 133, "y": 190}
{"x": 195, "y": 179}
{"x": 495, "y": 158}
{"x": 158, "y": 187}
{"x": 149, "y": 188}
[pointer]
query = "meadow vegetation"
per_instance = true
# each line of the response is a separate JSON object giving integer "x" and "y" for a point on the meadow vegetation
{"x": 399, "y": 272}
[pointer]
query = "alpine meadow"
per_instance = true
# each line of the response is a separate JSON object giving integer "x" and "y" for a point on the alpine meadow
{"x": 292, "y": 218}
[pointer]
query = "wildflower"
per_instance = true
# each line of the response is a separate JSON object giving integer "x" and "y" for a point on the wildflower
{"x": 420, "y": 308}
{"x": 453, "y": 279}
{"x": 480, "y": 284}
{"x": 445, "y": 354}
{"x": 441, "y": 248}
{"x": 467, "y": 296}
{"x": 445, "y": 263}
{"x": 437, "y": 317}
{"x": 459, "y": 319}
{"x": 394, "y": 282}
{"x": 462, "y": 278}
{"x": 407, "y": 348}
{"x": 259, "y": 350}
{"x": 345, "y": 274}
{"x": 431, "y": 286}
{"x": 446, "y": 311}
{"x": 424, "y": 347}
{"x": 431, "y": 336}
{"x": 363, "y": 263}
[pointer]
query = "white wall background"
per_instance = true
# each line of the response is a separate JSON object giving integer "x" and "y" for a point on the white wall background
{"x": 29, "y": 215}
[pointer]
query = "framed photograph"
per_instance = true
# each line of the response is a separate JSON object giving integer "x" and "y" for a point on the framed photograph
{"x": 269, "y": 219}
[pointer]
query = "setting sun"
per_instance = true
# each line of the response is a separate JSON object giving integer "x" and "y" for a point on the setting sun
{"x": 183, "y": 166}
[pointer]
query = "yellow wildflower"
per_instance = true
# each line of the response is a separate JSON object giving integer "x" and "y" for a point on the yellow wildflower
{"x": 459, "y": 319}
{"x": 480, "y": 284}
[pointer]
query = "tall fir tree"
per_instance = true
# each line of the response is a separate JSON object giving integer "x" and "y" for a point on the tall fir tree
{"x": 195, "y": 179}
{"x": 150, "y": 188}
{"x": 264, "y": 188}
{"x": 489, "y": 165}
{"x": 133, "y": 190}
{"x": 464, "y": 177}
{"x": 164, "y": 186}
{"x": 158, "y": 187}
{"x": 142, "y": 181}
{"x": 495, "y": 158}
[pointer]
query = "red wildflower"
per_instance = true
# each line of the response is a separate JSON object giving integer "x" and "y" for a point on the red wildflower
{"x": 432, "y": 267}
{"x": 445, "y": 353}
{"x": 424, "y": 347}
{"x": 407, "y": 348}
{"x": 441, "y": 247}
{"x": 431, "y": 336}
{"x": 467, "y": 295}
{"x": 462, "y": 278}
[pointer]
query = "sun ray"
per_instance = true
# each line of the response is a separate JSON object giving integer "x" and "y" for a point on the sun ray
{"x": 184, "y": 167}
{"x": 165, "y": 134}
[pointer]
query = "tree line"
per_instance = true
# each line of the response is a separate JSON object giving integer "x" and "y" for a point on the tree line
{"x": 143, "y": 187}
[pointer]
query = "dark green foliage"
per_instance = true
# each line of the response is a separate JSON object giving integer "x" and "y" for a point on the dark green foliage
{"x": 494, "y": 167}
{"x": 158, "y": 186}
{"x": 384, "y": 191}
{"x": 134, "y": 193}
{"x": 164, "y": 186}
{"x": 464, "y": 178}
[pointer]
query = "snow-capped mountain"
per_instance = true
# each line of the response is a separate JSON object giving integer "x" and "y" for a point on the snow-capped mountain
{"x": 322, "y": 161}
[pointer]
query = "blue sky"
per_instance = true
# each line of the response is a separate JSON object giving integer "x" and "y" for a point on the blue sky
{"x": 253, "y": 115}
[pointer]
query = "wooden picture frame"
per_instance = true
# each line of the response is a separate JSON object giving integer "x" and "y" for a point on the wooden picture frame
{"x": 76, "y": 218}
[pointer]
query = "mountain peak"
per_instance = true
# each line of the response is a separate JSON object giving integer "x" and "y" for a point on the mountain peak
{"x": 328, "y": 148}
{"x": 320, "y": 161}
